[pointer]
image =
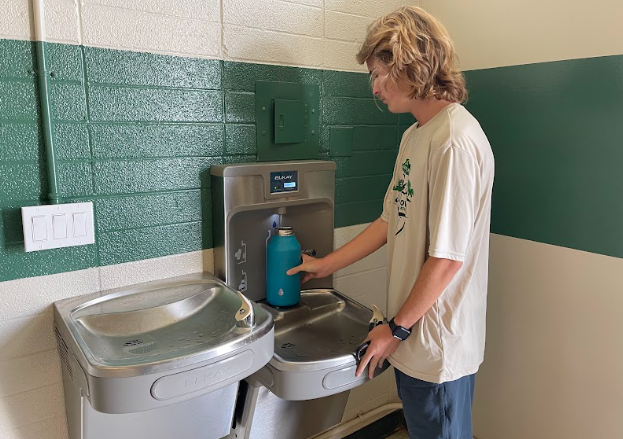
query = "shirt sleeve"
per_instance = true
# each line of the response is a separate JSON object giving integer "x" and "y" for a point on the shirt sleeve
{"x": 454, "y": 183}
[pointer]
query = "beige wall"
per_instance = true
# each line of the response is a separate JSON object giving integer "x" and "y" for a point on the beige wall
{"x": 554, "y": 357}
{"x": 494, "y": 33}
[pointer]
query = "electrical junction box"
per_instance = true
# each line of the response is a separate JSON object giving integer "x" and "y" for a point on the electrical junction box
{"x": 288, "y": 121}
{"x": 58, "y": 225}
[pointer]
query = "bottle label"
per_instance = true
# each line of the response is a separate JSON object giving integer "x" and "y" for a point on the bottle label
{"x": 280, "y": 292}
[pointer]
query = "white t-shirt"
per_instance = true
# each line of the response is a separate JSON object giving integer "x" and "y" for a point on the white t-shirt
{"x": 439, "y": 204}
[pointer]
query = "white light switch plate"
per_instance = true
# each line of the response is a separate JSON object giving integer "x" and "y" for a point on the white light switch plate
{"x": 58, "y": 225}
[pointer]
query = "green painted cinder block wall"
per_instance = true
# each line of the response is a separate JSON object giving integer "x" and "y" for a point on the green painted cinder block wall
{"x": 136, "y": 133}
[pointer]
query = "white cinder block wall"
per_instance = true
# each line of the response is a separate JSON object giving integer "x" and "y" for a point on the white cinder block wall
{"x": 305, "y": 33}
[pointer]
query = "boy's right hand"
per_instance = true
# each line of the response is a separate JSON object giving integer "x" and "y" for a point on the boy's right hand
{"x": 312, "y": 267}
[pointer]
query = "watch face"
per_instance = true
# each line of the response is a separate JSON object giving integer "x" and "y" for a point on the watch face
{"x": 398, "y": 331}
{"x": 401, "y": 333}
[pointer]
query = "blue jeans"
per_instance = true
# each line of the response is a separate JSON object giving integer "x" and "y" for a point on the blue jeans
{"x": 437, "y": 411}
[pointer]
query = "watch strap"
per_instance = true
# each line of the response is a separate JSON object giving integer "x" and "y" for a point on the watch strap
{"x": 399, "y": 332}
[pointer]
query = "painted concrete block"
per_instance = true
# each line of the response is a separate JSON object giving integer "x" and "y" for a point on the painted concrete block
{"x": 26, "y": 335}
{"x": 135, "y": 30}
{"x": 368, "y": 8}
{"x": 196, "y": 9}
{"x": 52, "y": 428}
{"x": 29, "y": 407}
{"x": 120, "y": 275}
{"x": 246, "y": 44}
{"x": 44, "y": 290}
{"x": 28, "y": 373}
{"x": 340, "y": 55}
{"x": 274, "y": 15}
{"x": 61, "y": 21}
{"x": 345, "y": 27}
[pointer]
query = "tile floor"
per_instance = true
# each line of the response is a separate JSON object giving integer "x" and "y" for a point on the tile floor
{"x": 400, "y": 434}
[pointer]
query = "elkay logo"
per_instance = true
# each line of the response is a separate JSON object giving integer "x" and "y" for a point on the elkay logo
{"x": 283, "y": 177}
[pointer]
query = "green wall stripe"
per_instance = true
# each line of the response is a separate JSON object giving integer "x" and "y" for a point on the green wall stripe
{"x": 17, "y": 59}
{"x": 65, "y": 62}
{"x": 365, "y": 163}
{"x": 557, "y": 134}
{"x": 356, "y": 111}
{"x": 361, "y": 189}
{"x": 239, "y": 107}
{"x": 20, "y": 181}
{"x": 373, "y": 138}
{"x": 74, "y": 179}
{"x": 153, "y": 104}
{"x": 242, "y": 76}
{"x": 19, "y": 141}
{"x": 136, "y": 133}
{"x": 68, "y": 102}
{"x": 16, "y": 264}
{"x": 240, "y": 139}
{"x": 162, "y": 140}
{"x": 357, "y": 213}
{"x": 136, "y": 68}
{"x": 346, "y": 84}
{"x": 19, "y": 101}
{"x": 131, "y": 176}
{"x": 136, "y": 211}
{"x": 71, "y": 141}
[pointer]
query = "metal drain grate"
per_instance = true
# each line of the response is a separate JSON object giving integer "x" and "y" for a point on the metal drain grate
{"x": 137, "y": 346}
{"x": 135, "y": 342}
{"x": 143, "y": 349}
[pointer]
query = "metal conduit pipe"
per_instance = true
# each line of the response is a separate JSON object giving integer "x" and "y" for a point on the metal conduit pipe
{"x": 44, "y": 100}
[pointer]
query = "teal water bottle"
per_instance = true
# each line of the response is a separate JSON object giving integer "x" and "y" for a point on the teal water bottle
{"x": 282, "y": 253}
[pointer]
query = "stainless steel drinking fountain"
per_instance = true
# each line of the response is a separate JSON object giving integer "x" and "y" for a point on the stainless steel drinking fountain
{"x": 159, "y": 360}
{"x": 304, "y": 388}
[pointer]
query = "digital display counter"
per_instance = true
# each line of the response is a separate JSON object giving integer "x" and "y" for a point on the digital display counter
{"x": 286, "y": 181}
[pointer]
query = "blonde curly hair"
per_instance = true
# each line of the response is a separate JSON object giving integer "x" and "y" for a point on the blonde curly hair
{"x": 418, "y": 54}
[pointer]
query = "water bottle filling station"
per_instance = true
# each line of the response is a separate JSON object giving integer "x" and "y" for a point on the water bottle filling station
{"x": 265, "y": 214}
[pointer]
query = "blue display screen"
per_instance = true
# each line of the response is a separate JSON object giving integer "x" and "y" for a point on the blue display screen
{"x": 286, "y": 181}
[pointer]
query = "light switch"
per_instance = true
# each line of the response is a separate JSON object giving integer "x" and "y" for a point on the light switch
{"x": 59, "y": 225}
{"x": 39, "y": 229}
{"x": 80, "y": 224}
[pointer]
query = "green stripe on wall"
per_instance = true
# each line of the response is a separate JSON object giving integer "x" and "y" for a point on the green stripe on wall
{"x": 556, "y": 130}
{"x": 136, "y": 133}
{"x": 137, "y": 130}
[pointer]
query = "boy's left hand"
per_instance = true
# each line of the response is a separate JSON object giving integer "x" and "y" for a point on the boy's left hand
{"x": 382, "y": 345}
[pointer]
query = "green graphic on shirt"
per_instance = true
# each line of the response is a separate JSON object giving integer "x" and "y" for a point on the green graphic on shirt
{"x": 405, "y": 193}
{"x": 406, "y": 167}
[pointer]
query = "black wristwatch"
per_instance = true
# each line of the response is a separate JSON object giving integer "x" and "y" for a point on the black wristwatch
{"x": 398, "y": 331}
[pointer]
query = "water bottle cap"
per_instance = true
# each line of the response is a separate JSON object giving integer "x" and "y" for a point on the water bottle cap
{"x": 285, "y": 231}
